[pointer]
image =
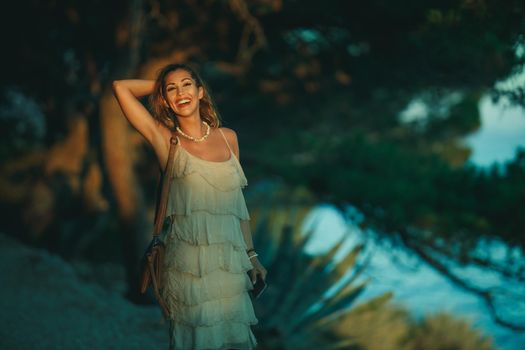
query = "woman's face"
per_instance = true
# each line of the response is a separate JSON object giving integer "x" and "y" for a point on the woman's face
{"x": 182, "y": 93}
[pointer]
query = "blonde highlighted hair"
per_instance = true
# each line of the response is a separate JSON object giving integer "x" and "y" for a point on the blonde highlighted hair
{"x": 165, "y": 115}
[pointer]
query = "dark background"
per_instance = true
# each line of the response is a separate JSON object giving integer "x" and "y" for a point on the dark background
{"x": 314, "y": 91}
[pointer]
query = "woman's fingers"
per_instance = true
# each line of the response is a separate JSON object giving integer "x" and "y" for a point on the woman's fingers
{"x": 263, "y": 273}
{"x": 254, "y": 273}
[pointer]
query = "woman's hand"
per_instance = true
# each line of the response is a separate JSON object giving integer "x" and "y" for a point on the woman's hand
{"x": 257, "y": 269}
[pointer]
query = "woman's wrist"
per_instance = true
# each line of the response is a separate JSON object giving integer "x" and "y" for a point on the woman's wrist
{"x": 251, "y": 253}
{"x": 137, "y": 87}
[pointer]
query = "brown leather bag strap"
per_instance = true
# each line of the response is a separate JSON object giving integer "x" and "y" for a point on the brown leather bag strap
{"x": 163, "y": 200}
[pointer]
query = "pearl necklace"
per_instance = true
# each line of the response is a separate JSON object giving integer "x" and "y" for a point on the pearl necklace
{"x": 196, "y": 139}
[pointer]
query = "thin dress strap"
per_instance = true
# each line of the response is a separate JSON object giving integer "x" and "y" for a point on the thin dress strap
{"x": 227, "y": 144}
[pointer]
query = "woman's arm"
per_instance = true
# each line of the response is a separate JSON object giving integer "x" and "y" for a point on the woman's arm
{"x": 247, "y": 233}
{"x": 128, "y": 93}
{"x": 137, "y": 87}
{"x": 231, "y": 136}
{"x": 258, "y": 268}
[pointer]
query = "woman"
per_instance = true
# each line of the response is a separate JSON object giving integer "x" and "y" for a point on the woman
{"x": 209, "y": 248}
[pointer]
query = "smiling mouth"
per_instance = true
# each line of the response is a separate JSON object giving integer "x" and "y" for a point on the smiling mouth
{"x": 183, "y": 102}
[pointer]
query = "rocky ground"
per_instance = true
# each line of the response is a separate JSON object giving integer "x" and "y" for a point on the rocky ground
{"x": 49, "y": 303}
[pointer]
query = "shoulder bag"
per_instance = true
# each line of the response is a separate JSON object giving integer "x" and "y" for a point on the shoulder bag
{"x": 153, "y": 258}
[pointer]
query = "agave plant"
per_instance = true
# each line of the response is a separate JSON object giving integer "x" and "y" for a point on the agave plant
{"x": 296, "y": 312}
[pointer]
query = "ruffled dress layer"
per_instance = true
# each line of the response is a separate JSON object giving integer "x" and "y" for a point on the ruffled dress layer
{"x": 204, "y": 281}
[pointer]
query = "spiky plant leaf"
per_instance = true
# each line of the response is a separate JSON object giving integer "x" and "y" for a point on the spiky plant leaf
{"x": 296, "y": 312}
{"x": 298, "y": 282}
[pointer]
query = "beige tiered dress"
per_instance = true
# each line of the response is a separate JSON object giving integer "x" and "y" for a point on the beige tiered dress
{"x": 205, "y": 281}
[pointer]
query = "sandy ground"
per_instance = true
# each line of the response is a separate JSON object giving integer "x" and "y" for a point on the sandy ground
{"x": 48, "y": 303}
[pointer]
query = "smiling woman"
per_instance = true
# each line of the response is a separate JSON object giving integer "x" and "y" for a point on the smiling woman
{"x": 178, "y": 92}
{"x": 209, "y": 248}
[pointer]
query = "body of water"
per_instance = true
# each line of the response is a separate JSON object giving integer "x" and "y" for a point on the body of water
{"x": 415, "y": 284}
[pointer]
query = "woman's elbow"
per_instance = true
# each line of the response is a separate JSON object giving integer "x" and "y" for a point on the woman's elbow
{"x": 115, "y": 84}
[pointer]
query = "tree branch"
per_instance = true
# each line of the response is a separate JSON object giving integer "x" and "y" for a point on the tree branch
{"x": 416, "y": 246}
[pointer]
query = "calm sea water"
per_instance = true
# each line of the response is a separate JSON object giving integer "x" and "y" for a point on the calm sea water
{"x": 415, "y": 284}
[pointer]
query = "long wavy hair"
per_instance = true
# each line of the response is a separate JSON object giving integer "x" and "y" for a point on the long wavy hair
{"x": 165, "y": 114}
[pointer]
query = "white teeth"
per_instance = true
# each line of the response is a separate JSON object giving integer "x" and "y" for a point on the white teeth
{"x": 183, "y": 101}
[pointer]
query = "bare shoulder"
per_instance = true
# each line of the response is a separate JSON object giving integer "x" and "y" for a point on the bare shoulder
{"x": 230, "y": 135}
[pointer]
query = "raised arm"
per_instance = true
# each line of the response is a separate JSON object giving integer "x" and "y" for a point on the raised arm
{"x": 128, "y": 93}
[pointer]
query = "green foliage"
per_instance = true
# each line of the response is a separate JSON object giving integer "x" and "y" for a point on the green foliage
{"x": 395, "y": 185}
{"x": 444, "y": 332}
